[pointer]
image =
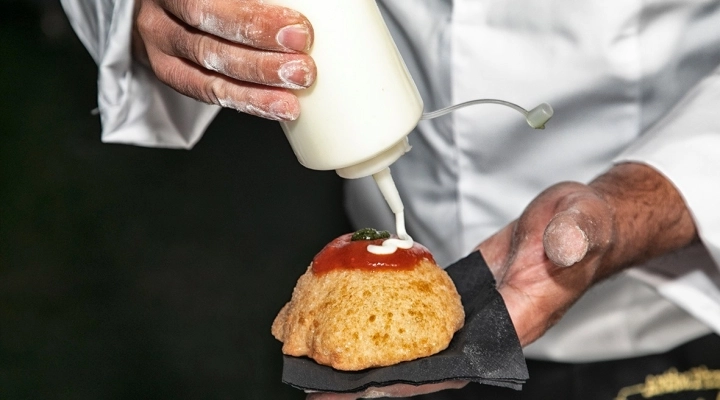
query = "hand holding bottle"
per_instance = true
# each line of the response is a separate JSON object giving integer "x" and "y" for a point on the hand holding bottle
{"x": 243, "y": 54}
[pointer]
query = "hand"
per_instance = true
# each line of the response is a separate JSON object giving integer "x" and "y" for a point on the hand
{"x": 568, "y": 238}
{"x": 573, "y": 235}
{"x": 239, "y": 54}
{"x": 397, "y": 390}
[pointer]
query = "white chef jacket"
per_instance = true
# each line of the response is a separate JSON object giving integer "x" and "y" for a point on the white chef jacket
{"x": 630, "y": 81}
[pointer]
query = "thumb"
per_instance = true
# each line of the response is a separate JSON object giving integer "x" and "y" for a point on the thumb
{"x": 581, "y": 228}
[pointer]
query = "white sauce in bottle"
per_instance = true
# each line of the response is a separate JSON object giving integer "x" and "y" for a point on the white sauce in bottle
{"x": 356, "y": 109}
{"x": 387, "y": 187}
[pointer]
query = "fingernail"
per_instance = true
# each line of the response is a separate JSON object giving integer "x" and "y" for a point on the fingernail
{"x": 294, "y": 37}
{"x": 295, "y": 74}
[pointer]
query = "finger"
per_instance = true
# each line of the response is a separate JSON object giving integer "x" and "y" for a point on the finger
{"x": 583, "y": 224}
{"x": 564, "y": 241}
{"x": 249, "y": 22}
{"x": 397, "y": 390}
{"x": 170, "y": 36}
{"x": 291, "y": 71}
{"x": 210, "y": 87}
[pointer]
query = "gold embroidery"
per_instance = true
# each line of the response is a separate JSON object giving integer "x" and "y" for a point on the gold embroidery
{"x": 672, "y": 381}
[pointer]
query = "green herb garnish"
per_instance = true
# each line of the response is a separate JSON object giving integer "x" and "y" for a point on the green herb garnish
{"x": 370, "y": 234}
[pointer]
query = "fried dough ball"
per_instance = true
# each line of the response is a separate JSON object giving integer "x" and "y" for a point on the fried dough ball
{"x": 353, "y": 319}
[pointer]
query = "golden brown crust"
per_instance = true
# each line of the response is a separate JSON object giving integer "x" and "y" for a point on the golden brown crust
{"x": 356, "y": 319}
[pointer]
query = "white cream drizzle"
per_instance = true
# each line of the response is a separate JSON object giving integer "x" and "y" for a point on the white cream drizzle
{"x": 389, "y": 246}
{"x": 389, "y": 190}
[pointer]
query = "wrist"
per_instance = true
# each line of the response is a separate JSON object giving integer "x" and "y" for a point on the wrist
{"x": 650, "y": 217}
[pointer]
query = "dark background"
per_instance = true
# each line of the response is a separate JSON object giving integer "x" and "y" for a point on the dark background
{"x": 128, "y": 272}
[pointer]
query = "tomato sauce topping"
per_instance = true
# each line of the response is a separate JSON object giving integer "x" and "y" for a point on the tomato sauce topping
{"x": 348, "y": 254}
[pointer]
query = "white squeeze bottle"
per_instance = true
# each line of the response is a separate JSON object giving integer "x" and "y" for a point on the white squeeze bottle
{"x": 356, "y": 117}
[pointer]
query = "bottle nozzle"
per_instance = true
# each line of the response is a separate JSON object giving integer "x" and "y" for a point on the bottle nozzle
{"x": 388, "y": 189}
{"x": 539, "y": 116}
{"x": 536, "y": 118}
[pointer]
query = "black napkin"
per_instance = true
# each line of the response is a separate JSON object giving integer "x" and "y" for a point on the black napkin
{"x": 486, "y": 350}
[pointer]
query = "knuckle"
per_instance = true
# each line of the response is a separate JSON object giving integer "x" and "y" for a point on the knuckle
{"x": 163, "y": 71}
{"x": 175, "y": 74}
{"x": 202, "y": 47}
{"x": 146, "y": 20}
{"x": 259, "y": 70}
{"x": 154, "y": 27}
{"x": 256, "y": 22}
{"x": 191, "y": 12}
{"x": 251, "y": 30}
{"x": 212, "y": 90}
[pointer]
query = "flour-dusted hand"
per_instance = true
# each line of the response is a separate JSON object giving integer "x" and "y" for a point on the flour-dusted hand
{"x": 240, "y": 54}
{"x": 574, "y": 235}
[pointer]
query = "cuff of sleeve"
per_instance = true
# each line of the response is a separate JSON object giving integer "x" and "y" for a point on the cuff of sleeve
{"x": 685, "y": 147}
{"x": 135, "y": 107}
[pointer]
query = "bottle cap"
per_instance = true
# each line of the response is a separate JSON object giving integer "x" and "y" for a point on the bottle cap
{"x": 377, "y": 163}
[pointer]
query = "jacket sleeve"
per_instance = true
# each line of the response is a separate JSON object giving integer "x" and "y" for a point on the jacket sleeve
{"x": 135, "y": 107}
{"x": 685, "y": 147}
